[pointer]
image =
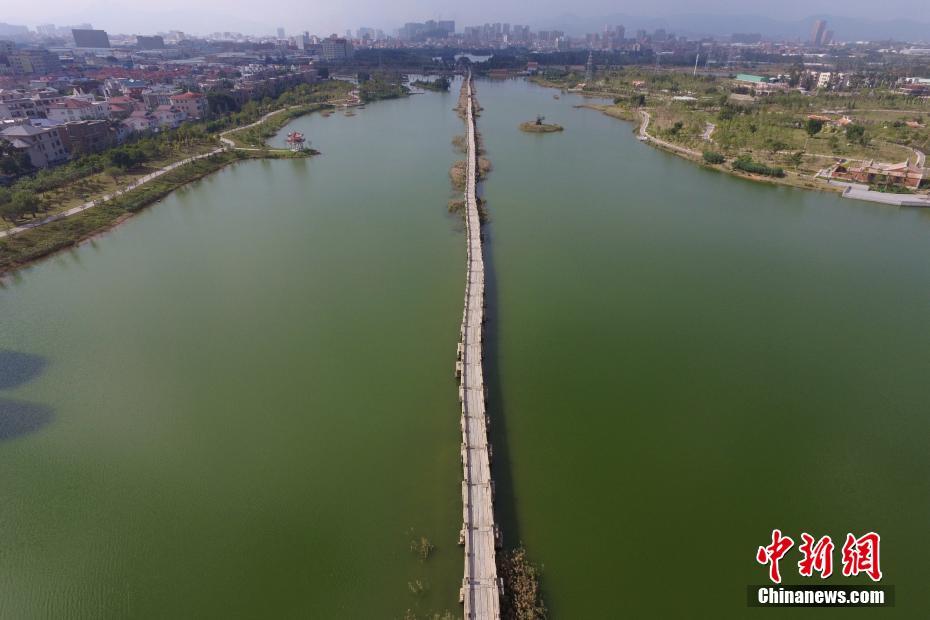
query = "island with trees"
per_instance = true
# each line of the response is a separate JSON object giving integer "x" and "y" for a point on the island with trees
{"x": 540, "y": 127}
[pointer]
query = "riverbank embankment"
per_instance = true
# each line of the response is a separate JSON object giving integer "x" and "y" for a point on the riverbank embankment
{"x": 34, "y": 240}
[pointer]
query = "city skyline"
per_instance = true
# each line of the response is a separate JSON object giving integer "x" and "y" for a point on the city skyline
{"x": 713, "y": 18}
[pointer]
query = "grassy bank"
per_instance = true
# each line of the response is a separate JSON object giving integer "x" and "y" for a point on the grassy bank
{"x": 255, "y": 137}
{"x": 36, "y": 243}
{"x": 800, "y": 133}
{"x": 532, "y": 127}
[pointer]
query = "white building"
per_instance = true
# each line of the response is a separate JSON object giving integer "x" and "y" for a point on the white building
{"x": 77, "y": 109}
{"x": 44, "y": 145}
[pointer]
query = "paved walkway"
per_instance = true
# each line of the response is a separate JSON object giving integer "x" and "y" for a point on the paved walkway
{"x": 106, "y": 197}
{"x": 646, "y": 137}
{"x": 708, "y": 132}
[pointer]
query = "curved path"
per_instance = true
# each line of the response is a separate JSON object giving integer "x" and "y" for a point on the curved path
{"x": 227, "y": 143}
{"x": 106, "y": 197}
{"x": 480, "y": 587}
{"x": 645, "y": 137}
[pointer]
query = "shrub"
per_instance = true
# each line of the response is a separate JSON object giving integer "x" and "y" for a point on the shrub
{"x": 713, "y": 157}
{"x": 747, "y": 165}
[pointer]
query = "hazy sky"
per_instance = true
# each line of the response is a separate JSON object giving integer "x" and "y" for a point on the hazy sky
{"x": 319, "y": 17}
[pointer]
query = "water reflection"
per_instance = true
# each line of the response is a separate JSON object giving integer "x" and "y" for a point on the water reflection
{"x": 19, "y": 368}
{"x": 20, "y": 418}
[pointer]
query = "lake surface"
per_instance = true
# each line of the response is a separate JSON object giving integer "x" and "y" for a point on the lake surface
{"x": 240, "y": 403}
{"x": 244, "y": 396}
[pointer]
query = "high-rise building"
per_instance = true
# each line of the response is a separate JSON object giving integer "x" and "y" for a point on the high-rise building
{"x": 828, "y": 37}
{"x": 38, "y": 62}
{"x": 280, "y": 32}
{"x": 817, "y": 32}
{"x": 335, "y": 48}
{"x": 150, "y": 43}
{"x": 90, "y": 38}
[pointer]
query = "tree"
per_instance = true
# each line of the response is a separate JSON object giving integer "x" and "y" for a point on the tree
{"x": 13, "y": 161}
{"x": 774, "y": 145}
{"x": 856, "y": 133}
{"x": 813, "y": 126}
{"x": 25, "y": 202}
{"x": 114, "y": 172}
{"x": 7, "y": 209}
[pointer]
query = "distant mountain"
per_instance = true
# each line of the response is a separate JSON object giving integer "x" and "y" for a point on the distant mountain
{"x": 697, "y": 24}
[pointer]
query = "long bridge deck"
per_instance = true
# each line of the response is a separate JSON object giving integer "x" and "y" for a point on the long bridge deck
{"x": 480, "y": 534}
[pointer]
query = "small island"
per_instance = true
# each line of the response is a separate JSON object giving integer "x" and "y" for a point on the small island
{"x": 441, "y": 84}
{"x": 539, "y": 126}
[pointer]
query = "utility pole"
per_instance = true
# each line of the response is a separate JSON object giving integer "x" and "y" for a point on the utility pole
{"x": 696, "y": 58}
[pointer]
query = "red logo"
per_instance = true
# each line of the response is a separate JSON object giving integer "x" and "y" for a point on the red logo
{"x": 817, "y": 557}
{"x": 773, "y": 553}
{"x": 860, "y": 555}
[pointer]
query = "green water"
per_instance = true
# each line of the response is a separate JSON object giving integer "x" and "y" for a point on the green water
{"x": 247, "y": 392}
{"x": 686, "y": 361}
{"x": 240, "y": 403}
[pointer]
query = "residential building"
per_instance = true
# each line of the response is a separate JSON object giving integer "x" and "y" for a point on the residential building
{"x": 168, "y": 116}
{"x": 120, "y": 107}
{"x": 904, "y": 174}
{"x": 44, "y": 145}
{"x": 194, "y": 105}
{"x": 28, "y": 62}
{"x": 141, "y": 121}
{"x": 818, "y": 32}
{"x": 74, "y": 109}
{"x": 19, "y": 108}
{"x": 88, "y": 136}
{"x": 158, "y": 95}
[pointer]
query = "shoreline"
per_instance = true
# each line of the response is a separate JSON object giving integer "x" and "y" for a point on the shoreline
{"x": 791, "y": 179}
{"x": 43, "y": 241}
